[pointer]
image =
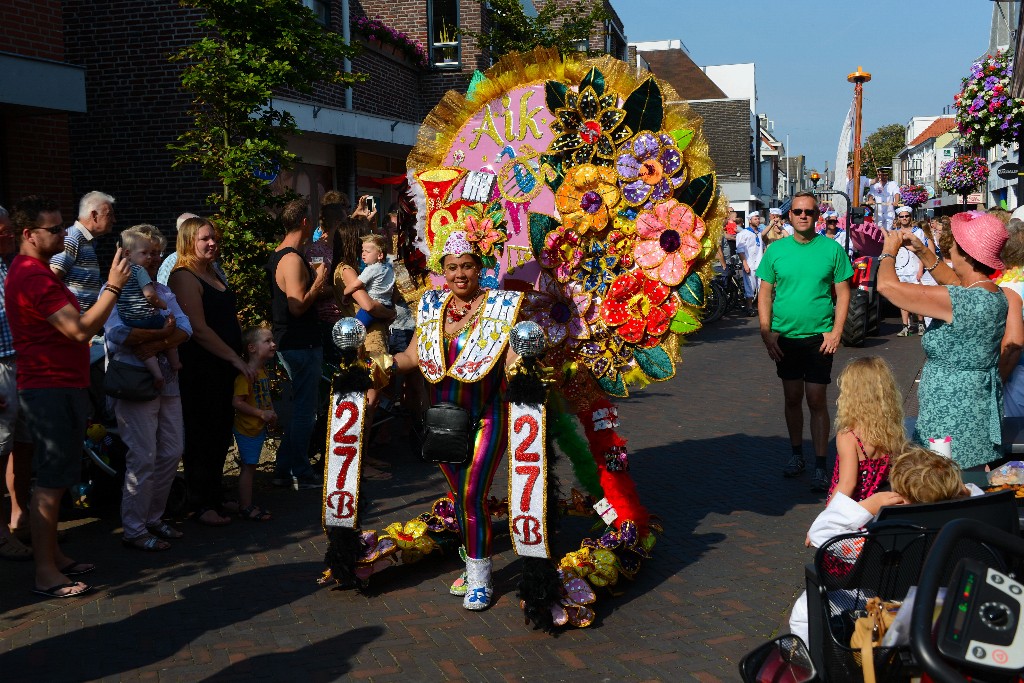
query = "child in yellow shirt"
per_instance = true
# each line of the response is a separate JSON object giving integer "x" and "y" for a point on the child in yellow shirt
{"x": 254, "y": 410}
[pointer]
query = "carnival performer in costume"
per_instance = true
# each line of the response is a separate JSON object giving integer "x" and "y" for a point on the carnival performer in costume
{"x": 569, "y": 210}
{"x": 461, "y": 347}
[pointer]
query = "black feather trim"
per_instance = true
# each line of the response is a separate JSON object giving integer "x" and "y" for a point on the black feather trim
{"x": 526, "y": 387}
{"x": 344, "y": 546}
{"x": 539, "y": 588}
{"x": 352, "y": 376}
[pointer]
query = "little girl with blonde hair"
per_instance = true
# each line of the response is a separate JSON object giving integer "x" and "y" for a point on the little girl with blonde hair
{"x": 869, "y": 428}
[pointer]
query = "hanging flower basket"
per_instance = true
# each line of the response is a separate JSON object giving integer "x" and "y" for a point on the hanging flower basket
{"x": 963, "y": 174}
{"x": 986, "y": 114}
{"x": 913, "y": 195}
{"x": 390, "y": 40}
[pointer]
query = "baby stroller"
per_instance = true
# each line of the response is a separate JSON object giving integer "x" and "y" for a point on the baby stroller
{"x": 885, "y": 561}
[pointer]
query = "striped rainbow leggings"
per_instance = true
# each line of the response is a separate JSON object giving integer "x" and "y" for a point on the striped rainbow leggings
{"x": 471, "y": 482}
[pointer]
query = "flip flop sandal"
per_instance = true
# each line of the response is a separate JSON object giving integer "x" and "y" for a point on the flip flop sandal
{"x": 54, "y": 591}
{"x": 77, "y": 569}
{"x": 10, "y": 551}
{"x": 254, "y": 513}
{"x": 149, "y": 544}
{"x": 165, "y": 531}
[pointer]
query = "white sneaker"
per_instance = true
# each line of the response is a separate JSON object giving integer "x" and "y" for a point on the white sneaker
{"x": 920, "y": 329}
{"x": 479, "y": 592}
{"x": 905, "y": 332}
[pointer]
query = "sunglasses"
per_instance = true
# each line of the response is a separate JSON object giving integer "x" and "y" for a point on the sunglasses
{"x": 55, "y": 230}
{"x": 800, "y": 212}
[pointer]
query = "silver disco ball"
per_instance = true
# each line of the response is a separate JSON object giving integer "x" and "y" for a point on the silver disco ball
{"x": 348, "y": 334}
{"x": 528, "y": 339}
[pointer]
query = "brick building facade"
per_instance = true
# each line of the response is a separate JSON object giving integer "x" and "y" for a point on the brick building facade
{"x": 38, "y": 88}
{"x": 133, "y": 105}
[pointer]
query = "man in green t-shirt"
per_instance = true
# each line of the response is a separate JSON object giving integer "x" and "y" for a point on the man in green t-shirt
{"x": 802, "y": 323}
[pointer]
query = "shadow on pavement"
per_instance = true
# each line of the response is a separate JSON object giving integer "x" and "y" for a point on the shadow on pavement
{"x": 158, "y": 633}
{"x": 323, "y": 661}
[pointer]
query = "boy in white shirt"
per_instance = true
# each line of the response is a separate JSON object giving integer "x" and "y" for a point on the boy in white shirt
{"x": 918, "y": 475}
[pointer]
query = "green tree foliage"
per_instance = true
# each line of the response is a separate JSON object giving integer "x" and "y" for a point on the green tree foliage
{"x": 250, "y": 50}
{"x": 563, "y": 25}
{"x": 880, "y": 147}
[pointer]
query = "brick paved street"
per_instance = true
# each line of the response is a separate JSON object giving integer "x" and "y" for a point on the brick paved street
{"x": 240, "y": 603}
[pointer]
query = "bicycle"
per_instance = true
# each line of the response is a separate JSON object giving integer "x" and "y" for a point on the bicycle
{"x": 725, "y": 293}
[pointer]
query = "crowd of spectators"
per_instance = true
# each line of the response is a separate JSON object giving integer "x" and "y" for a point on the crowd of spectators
{"x": 207, "y": 388}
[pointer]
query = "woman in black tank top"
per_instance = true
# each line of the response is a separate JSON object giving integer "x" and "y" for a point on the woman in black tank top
{"x": 210, "y": 362}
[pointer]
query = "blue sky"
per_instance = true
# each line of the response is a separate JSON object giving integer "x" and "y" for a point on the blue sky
{"x": 916, "y": 52}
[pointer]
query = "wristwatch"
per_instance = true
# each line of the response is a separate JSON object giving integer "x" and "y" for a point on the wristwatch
{"x": 884, "y": 256}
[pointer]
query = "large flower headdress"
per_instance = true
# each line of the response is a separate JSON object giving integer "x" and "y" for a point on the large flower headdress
{"x": 476, "y": 229}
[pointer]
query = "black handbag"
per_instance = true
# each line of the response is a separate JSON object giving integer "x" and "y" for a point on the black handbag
{"x": 127, "y": 382}
{"x": 448, "y": 433}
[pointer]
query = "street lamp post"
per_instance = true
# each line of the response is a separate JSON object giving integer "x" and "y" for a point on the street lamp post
{"x": 858, "y": 78}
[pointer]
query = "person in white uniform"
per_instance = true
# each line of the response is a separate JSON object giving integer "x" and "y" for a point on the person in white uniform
{"x": 908, "y": 266}
{"x": 834, "y": 232}
{"x": 886, "y": 194}
{"x": 750, "y": 247}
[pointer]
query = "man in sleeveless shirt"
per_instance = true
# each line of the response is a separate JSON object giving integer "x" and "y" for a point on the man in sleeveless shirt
{"x": 294, "y": 287}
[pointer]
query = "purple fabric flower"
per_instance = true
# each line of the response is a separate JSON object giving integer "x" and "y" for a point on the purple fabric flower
{"x": 650, "y": 169}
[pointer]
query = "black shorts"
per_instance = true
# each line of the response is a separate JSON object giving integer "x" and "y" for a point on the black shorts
{"x": 56, "y": 420}
{"x": 803, "y": 359}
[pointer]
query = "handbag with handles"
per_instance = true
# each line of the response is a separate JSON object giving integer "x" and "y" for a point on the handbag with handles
{"x": 127, "y": 382}
{"x": 868, "y": 632}
{"x": 448, "y": 433}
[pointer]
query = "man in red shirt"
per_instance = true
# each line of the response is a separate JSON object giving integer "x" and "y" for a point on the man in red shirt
{"x": 51, "y": 339}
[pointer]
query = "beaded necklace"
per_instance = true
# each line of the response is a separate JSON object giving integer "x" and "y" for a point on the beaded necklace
{"x": 454, "y": 314}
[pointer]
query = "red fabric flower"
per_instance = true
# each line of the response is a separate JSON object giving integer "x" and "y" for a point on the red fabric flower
{"x": 639, "y": 308}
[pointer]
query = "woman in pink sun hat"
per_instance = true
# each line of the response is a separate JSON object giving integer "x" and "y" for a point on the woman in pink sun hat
{"x": 960, "y": 393}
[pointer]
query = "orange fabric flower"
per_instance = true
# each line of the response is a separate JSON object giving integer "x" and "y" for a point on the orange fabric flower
{"x": 480, "y": 230}
{"x": 586, "y": 198}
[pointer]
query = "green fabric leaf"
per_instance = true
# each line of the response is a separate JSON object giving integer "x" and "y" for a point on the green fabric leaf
{"x": 555, "y": 162}
{"x": 613, "y": 387}
{"x": 540, "y": 226}
{"x": 684, "y": 322}
{"x": 644, "y": 107}
{"x": 683, "y": 138}
{"x": 594, "y": 79}
{"x": 554, "y": 95}
{"x": 692, "y": 290}
{"x": 698, "y": 193}
{"x": 655, "y": 363}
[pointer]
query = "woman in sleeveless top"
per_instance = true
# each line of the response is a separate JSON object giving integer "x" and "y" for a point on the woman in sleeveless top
{"x": 210, "y": 362}
{"x": 960, "y": 394}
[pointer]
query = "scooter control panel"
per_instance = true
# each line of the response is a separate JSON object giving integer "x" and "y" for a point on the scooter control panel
{"x": 980, "y": 624}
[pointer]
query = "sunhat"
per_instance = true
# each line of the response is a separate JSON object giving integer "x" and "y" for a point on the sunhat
{"x": 981, "y": 236}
